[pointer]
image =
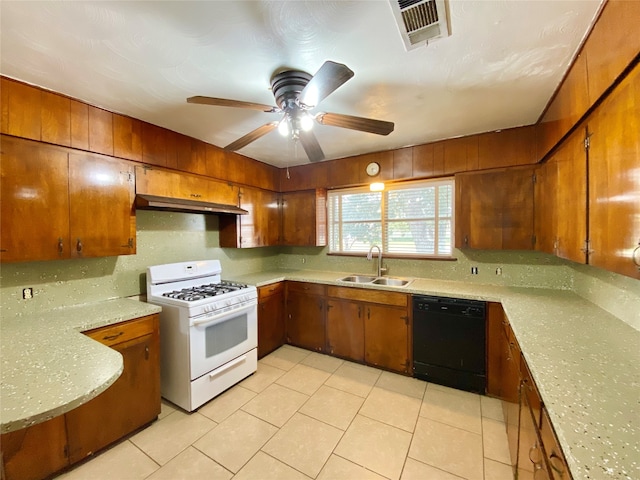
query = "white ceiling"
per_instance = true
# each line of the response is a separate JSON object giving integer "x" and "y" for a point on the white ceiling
{"x": 498, "y": 69}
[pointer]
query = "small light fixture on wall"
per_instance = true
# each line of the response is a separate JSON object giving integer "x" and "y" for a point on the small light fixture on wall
{"x": 376, "y": 187}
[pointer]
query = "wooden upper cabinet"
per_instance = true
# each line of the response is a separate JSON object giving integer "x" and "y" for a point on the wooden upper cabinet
{"x": 460, "y": 155}
{"x": 305, "y": 177}
{"x": 55, "y": 119}
{"x": 168, "y": 183}
{"x": 154, "y": 145}
{"x": 614, "y": 180}
{"x": 60, "y": 204}
{"x": 612, "y": 45}
{"x": 79, "y": 125}
{"x": 494, "y": 209}
{"x": 514, "y": 146}
{"x": 304, "y": 218}
{"x": 21, "y": 110}
{"x": 258, "y": 228}
{"x": 100, "y": 131}
{"x": 571, "y": 198}
{"x": 545, "y": 194}
{"x": 127, "y": 137}
{"x": 101, "y": 196}
{"x": 35, "y": 201}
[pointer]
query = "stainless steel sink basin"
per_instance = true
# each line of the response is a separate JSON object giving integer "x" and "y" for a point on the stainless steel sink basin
{"x": 388, "y": 281}
{"x": 391, "y": 282}
{"x": 359, "y": 278}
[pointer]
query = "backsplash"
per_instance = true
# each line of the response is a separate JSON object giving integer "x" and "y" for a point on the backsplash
{"x": 163, "y": 237}
{"x": 166, "y": 237}
{"x": 518, "y": 269}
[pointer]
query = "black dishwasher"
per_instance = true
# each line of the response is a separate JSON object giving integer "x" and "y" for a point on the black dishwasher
{"x": 449, "y": 342}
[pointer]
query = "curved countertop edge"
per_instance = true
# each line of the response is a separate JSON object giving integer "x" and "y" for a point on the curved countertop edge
{"x": 584, "y": 360}
{"x": 49, "y": 367}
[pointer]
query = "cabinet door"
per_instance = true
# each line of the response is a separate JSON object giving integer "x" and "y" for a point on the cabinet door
{"x": 386, "y": 337}
{"x": 270, "y": 318}
{"x": 35, "y": 202}
{"x": 571, "y": 198}
{"x": 345, "y": 329}
{"x": 305, "y": 321}
{"x": 614, "y": 180}
{"x": 131, "y": 402}
{"x": 101, "y": 195}
{"x": 34, "y": 452}
{"x": 531, "y": 461}
{"x": 545, "y": 193}
{"x": 495, "y": 320}
{"x": 304, "y": 218}
{"x": 510, "y": 390}
{"x": 494, "y": 210}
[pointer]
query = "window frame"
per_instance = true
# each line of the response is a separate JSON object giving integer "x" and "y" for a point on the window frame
{"x": 384, "y": 221}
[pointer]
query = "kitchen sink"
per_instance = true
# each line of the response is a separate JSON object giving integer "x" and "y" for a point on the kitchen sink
{"x": 391, "y": 282}
{"x": 370, "y": 279}
{"x": 358, "y": 279}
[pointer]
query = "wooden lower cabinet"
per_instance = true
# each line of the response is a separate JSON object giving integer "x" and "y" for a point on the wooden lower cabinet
{"x": 34, "y": 452}
{"x": 131, "y": 402}
{"x": 271, "y": 324}
{"x": 386, "y": 338}
{"x": 345, "y": 329}
{"x": 305, "y": 317}
{"x": 136, "y": 392}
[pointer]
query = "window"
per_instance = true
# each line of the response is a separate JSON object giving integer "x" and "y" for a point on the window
{"x": 408, "y": 219}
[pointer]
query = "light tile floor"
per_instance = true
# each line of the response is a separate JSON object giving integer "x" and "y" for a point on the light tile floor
{"x": 303, "y": 415}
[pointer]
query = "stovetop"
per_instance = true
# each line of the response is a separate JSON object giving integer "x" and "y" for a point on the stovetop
{"x": 201, "y": 292}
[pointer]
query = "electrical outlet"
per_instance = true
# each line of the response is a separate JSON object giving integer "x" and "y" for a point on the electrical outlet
{"x": 27, "y": 293}
{"x": 474, "y": 270}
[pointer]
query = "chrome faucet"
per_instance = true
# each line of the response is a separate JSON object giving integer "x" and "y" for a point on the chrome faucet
{"x": 381, "y": 270}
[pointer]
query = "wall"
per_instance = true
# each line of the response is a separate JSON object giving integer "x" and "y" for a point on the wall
{"x": 163, "y": 237}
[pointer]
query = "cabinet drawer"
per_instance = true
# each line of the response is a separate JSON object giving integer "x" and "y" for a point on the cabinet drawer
{"x": 269, "y": 290}
{"x": 307, "y": 287}
{"x": 124, "y": 331}
{"x": 370, "y": 296}
{"x": 531, "y": 391}
{"x": 557, "y": 462}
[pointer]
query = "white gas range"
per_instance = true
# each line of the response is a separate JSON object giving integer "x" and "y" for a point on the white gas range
{"x": 208, "y": 330}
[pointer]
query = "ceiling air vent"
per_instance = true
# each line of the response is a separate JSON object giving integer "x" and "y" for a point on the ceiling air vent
{"x": 420, "y": 20}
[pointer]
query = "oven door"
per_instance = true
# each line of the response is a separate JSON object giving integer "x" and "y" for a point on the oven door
{"x": 217, "y": 338}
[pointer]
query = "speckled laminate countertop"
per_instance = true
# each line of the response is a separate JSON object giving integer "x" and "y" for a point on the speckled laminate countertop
{"x": 585, "y": 362}
{"x": 48, "y": 367}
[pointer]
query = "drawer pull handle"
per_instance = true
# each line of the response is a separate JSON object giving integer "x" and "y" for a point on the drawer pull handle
{"x": 79, "y": 246}
{"x": 556, "y": 464}
{"x": 60, "y": 245}
{"x": 113, "y": 337}
{"x": 534, "y": 451}
{"x": 636, "y": 256}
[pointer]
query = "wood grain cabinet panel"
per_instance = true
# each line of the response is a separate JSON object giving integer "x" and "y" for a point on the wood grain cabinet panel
{"x": 132, "y": 401}
{"x": 101, "y": 196}
{"x": 23, "y": 110}
{"x": 55, "y": 119}
{"x": 127, "y": 138}
{"x": 154, "y": 145}
{"x": 305, "y": 316}
{"x": 304, "y": 218}
{"x": 34, "y": 453}
{"x": 258, "y": 228}
{"x": 614, "y": 180}
{"x": 345, "y": 329}
{"x": 100, "y": 131}
{"x": 571, "y": 198}
{"x": 35, "y": 202}
{"x": 271, "y": 318}
{"x": 506, "y": 148}
{"x": 79, "y": 125}
{"x": 495, "y": 321}
{"x": 545, "y": 212}
{"x": 386, "y": 338}
{"x": 494, "y": 209}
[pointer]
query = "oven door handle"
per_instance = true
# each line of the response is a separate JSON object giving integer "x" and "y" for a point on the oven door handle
{"x": 217, "y": 318}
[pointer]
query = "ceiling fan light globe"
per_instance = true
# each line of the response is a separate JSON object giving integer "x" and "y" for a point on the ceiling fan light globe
{"x": 283, "y": 127}
{"x": 306, "y": 122}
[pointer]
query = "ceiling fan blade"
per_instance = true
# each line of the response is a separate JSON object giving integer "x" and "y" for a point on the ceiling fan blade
{"x": 251, "y": 136}
{"x": 311, "y": 146}
{"x": 224, "y": 102}
{"x": 326, "y": 80}
{"x": 379, "y": 127}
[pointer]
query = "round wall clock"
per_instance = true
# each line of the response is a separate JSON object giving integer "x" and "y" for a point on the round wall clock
{"x": 373, "y": 169}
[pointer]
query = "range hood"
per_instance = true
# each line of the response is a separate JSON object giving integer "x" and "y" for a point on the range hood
{"x": 153, "y": 202}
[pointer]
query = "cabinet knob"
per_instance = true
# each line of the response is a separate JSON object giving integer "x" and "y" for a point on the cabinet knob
{"x": 79, "y": 246}
{"x": 60, "y": 245}
{"x": 636, "y": 256}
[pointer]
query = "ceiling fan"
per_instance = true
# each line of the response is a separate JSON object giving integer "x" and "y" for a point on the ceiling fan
{"x": 296, "y": 93}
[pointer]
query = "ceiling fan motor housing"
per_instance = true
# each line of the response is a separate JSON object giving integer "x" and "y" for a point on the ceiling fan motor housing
{"x": 286, "y": 87}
